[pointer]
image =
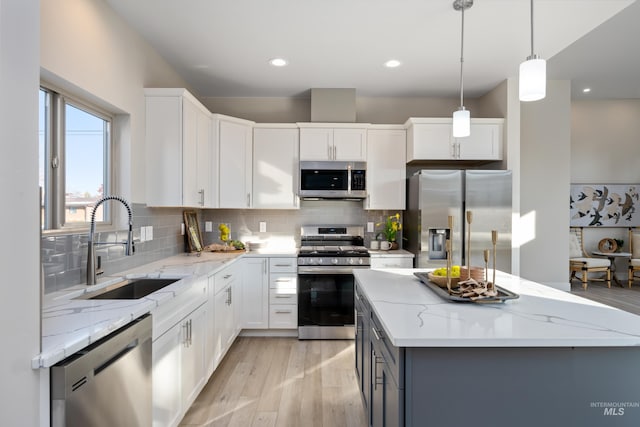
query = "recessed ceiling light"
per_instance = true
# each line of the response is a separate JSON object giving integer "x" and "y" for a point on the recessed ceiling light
{"x": 278, "y": 62}
{"x": 586, "y": 90}
{"x": 392, "y": 63}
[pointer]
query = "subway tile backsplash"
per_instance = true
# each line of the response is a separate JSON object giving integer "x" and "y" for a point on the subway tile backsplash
{"x": 64, "y": 257}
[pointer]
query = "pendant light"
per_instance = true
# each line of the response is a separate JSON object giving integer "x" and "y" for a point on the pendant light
{"x": 462, "y": 117}
{"x": 533, "y": 74}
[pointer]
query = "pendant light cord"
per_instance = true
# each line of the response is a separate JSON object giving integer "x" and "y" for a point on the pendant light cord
{"x": 531, "y": 1}
{"x": 462, "y": 58}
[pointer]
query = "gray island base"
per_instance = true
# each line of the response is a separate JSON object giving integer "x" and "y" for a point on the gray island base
{"x": 549, "y": 358}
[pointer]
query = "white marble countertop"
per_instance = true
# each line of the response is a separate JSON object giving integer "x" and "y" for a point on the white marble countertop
{"x": 412, "y": 315}
{"x": 391, "y": 253}
{"x": 69, "y": 325}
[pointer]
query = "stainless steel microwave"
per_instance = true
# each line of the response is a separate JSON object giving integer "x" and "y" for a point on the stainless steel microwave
{"x": 333, "y": 180}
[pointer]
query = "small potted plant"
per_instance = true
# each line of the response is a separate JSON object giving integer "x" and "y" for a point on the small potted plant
{"x": 390, "y": 229}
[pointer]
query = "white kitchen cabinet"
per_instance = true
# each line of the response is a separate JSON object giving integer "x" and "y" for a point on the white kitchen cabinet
{"x": 193, "y": 367}
{"x": 166, "y": 390}
{"x": 383, "y": 260}
{"x": 225, "y": 330}
{"x": 178, "y": 352}
{"x": 180, "y": 151}
{"x": 283, "y": 293}
{"x": 329, "y": 142}
{"x": 234, "y": 140}
{"x": 386, "y": 168}
{"x": 255, "y": 293}
{"x": 275, "y": 167}
{"x": 432, "y": 139}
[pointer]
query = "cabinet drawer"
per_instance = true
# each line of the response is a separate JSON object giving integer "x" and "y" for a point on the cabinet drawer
{"x": 223, "y": 278}
{"x": 283, "y": 316}
{"x": 282, "y": 296}
{"x": 287, "y": 265}
{"x": 283, "y": 281}
{"x": 393, "y": 356}
{"x": 391, "y": 262}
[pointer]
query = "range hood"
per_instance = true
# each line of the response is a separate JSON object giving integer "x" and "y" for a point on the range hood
{"x": 333, "y": 105}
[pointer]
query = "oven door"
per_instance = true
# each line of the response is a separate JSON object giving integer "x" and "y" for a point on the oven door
{"x": 325, "y": 303}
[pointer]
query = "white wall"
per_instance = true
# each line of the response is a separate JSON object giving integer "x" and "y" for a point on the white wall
{"x": 88, "y": 49}
{"x": 605, "y": 149}
{"x": 545, "y": 153}
{"x": 19, "y": 252}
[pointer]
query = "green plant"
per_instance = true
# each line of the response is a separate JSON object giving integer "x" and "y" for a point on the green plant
{"x": 391, "y": 226}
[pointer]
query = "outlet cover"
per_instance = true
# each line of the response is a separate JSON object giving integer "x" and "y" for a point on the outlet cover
{"x": 150, "y": 232}
{"x": 208, "y": 226}
{"x": 143, "y": 234}
{"x": 370, "y": 227}
{"x": 263, "y": 226}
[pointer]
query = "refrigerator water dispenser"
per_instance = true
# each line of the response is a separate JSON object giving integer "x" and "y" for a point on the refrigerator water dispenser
{"x": 437, "y": 243}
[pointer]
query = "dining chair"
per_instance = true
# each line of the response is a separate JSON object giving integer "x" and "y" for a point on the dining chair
{"x": 581, "y": 261}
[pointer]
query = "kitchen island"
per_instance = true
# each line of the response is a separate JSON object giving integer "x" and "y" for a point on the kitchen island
{"x": 546, "y": 358}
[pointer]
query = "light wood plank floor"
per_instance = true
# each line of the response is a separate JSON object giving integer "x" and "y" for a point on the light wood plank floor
{"x": 282, "y": 382}
{"x": 623, "y": 298}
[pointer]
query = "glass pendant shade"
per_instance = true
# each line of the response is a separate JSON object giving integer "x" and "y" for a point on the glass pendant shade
{"x": 461, "y": 123}
{"x": 533, "y": 79}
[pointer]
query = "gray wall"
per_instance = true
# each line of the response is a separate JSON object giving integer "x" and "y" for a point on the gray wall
{"x": 545, "y": 153}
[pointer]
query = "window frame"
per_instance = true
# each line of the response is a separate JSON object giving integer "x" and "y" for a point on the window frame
{"x": 56, "y": 101}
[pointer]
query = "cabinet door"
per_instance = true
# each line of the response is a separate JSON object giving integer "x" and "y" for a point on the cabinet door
{"x": 190, "y": 196}
{"x": 484, "y": 143}
{"x": 430, "y": 141}
{"x": 316, "y": 144}
{"x": 255, "y": 294}
{"x": 234, "y": 175}
{"x": 386, "y": 169}
{"x": 167, "y": 399}
{"x": 207, "y": 194}
{"x": 275, "y": 168}
{"x": 192, "y": 358}
{"x": 163, "y": 150}
{"x": 210, "y": 330}
{"x": 350, "y": 144}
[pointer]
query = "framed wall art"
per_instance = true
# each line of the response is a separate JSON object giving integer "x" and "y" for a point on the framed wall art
{"x": 604, "y": 205}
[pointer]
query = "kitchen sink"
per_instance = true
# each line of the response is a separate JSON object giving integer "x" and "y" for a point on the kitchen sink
{"x": 130, "y": 289}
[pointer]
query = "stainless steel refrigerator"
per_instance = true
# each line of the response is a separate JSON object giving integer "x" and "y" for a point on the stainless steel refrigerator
{"x": 434, "y": 195}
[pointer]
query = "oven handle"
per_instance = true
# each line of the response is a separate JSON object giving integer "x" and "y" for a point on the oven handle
{"x": 329, "y": 270}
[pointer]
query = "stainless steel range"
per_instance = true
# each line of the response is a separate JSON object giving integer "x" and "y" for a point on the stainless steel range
{"x": 327, "y": 257}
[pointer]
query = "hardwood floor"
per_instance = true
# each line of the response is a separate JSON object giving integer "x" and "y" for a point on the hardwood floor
{"x": 281, "y": 382}
{"x": 623, "y": 298}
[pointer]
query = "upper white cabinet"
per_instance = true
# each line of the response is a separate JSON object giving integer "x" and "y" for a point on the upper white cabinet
{"x": 431, "y": 139}
{"x": 333, "y": 142}
{"x": 180, "y": 151}
{"x": 386, "y": 168}
{"x": 275, "y": 166}
{"x": 234, "y": 137}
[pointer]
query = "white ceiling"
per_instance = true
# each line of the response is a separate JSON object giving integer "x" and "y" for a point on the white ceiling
{"x": 222, "y": 47}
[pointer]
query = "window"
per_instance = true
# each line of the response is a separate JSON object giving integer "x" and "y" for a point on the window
{"x": 75, "y": 161}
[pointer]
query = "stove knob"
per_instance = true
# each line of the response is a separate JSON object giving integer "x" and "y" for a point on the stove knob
{"x": 334, "y": 261}
{"x": 351, "y": 261}
{"x": 360, "y": 261}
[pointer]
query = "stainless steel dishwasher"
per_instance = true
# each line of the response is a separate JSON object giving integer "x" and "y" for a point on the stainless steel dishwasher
{"x": 107, "y": 383}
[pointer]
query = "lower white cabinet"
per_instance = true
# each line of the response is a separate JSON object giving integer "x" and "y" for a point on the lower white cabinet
{"x": 167, "y": 404}
{"x": 227, "y": 299}
{"x": 255, "y": 293}
{"x": 178, "y": 368}
{"x": 283, "y": 293}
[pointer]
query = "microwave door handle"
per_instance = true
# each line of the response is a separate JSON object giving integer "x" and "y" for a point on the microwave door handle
{"x": 349, "y": 178}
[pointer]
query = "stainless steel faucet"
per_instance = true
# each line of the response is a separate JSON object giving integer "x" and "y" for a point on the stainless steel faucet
{"x": 92, "y": 274}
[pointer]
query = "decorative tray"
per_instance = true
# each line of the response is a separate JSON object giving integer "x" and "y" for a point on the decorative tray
{"x": 503, "y": 294}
